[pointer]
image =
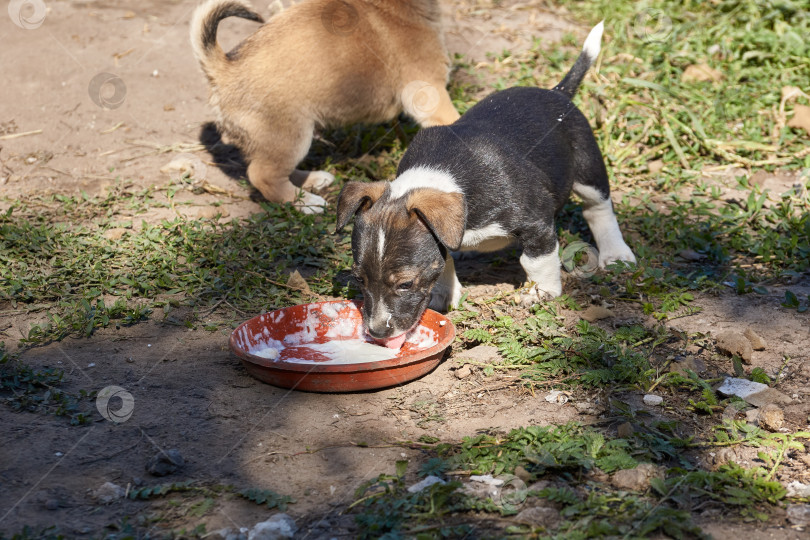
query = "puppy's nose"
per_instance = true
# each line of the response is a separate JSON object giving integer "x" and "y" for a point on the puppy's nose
{"x": 377, "y": 331}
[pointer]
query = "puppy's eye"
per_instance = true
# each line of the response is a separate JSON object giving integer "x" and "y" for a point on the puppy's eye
{"x": 406, "y": 286}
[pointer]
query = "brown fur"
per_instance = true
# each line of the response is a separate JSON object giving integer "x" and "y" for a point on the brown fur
{"x": 319, "y": 63}
{"x": 357, "y": 197}
{"x": 444, "y": 214}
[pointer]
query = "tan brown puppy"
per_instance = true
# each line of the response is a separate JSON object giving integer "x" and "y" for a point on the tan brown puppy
{"x": 320, "y": 63}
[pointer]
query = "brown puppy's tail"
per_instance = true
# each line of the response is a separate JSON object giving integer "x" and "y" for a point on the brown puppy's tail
{"x": 204, "y": 25}
{"x": 590, "y": 51}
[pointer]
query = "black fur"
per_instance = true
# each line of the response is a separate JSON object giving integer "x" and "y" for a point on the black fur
{"x": 515, "y": 155}
{"x": 223, "y": 11}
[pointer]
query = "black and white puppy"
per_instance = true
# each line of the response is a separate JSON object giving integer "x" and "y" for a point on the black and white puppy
{"x": 497, "y": 175}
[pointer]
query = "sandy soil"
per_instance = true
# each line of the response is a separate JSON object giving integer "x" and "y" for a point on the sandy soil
{"x": 190, "y": 393}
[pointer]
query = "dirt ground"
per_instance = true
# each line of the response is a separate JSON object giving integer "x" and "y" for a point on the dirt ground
{"x": 189, "y": 392}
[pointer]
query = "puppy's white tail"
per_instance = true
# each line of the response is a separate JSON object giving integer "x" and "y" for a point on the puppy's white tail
{"x": 590, "y": 51}
{"x": 204, "y": 25}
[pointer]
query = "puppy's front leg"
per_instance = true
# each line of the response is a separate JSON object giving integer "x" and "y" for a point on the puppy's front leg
{"x": 542, "y": 265}
{"x": 446, "y": 294}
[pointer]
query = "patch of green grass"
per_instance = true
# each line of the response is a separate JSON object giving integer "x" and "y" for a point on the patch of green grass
{"x": 549, "y": 354}
{"x": 568, "y": 459}
{"x": 82, "y": 281}
{"x": 24, "y": 388}
{"x": 265, "y": 497}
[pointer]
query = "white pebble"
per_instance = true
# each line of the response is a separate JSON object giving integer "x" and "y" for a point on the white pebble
{"x": 652, "y": 399}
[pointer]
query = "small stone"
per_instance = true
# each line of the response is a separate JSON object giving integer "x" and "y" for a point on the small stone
{"x": 480, "y": 490}
{"x": 165, "y": 463}
{"x": 637, "y": 479}
{"x": 757, "y": 394}
{"x": 688, "y": 362}
{"x": 557, "y": 396}
{"x": 463, "y": 372}
{"x": 799, "y": 514}
{"x": 523, "y": 474}
{"x": 227, "y": 534}
{"x": 721, "y": 457}
{"x": 185, "y": 164}
{"x": 624, "y": 430}
{"x": 51, "y": 504}
{"x": 486, "y": 479}
{"x": 598, "y": 475}
{"x": 108, "y": 492}
{"x": 540, "y": 485}
{"x": 211, "y": 212}
{"x": 539, "y": 516}
{"x": 752, "y": 416}
{"x": 771, "y": 417}
{"x": 797, "y": 489}
{"x": 115, "y": 233}
{"x": 278, "y": 527}
{"x": 425, "y": 483}
{"x": 596, "y": 313}
{"x": 757, "y": 342}
{"x": 586, "y": 407}
{"x": 690, "y": 255}
{"x": 734, "y": 343}
{"x": 652, "y": 400}
{"x": 297, "y": 281}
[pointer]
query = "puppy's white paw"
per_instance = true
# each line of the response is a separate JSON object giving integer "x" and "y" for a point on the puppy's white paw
{"x": 318, "y": 180}
{"x": 310, "y": 203}
{"x": 616, "y": 253}
{"x": 536, "y": 295}
{"x": 444, "y": 299}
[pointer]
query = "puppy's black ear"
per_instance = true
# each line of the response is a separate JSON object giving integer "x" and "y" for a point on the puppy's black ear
{"x": 357, "y": 197}
{"x": 445, "y": 214}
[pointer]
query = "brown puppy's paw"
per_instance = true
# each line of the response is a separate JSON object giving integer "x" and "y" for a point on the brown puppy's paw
{"x": 309, "y": 203}
{"x": 312, "y": 180}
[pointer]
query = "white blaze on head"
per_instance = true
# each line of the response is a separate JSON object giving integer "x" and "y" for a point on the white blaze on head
{"x": 423, "y": 177}
{"x": 593, "y": 41}
{"x": 381, "y": 243}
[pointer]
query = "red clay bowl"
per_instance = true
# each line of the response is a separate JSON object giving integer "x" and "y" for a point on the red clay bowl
{"x": 301, "y": 334}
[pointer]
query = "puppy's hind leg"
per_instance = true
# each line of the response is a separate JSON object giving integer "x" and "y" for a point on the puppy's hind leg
{"x": 445, "y": 114}
{"x": 446, "y": 294}
{"x": 598, "y": 212}
{"x": 429, "y": 103}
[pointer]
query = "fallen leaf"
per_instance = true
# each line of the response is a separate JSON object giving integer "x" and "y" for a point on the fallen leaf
{"x": 297, "y": 281}
{"x": 655, "y": 166}
{"x": 701, "y": 73}
{"x": 801, "y": 118}
{"x": 790, "y": 92}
